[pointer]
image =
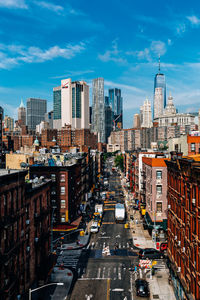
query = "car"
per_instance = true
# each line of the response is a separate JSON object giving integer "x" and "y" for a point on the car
{"x": 150, "y": 253}
{"x": 94, "y": 227}
{"x": 142, "y": 288}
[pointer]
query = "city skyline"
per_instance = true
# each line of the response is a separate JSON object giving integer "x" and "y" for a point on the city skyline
{"x": 35, "y": 56}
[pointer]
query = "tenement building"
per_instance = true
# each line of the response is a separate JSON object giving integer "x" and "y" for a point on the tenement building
{"x": 184, "y": 224}
{"x": 24, "y": 234}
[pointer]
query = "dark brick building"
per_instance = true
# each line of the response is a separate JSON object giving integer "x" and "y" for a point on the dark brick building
{"x": 25, "y": 233}
{"x": 184, "y": 224}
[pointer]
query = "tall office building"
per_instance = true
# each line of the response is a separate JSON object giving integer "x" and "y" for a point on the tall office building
{"x": 116, "y": 103}
{"x": 9, "y": 123}
{"x": 57, "y": 108}
{"x": 108, "y": 122}
{"x": 98, "y": 109}
{"x": 1, "y": 133}
{"x": 146, "y": 115}
{"x": 49, "y": 118}
{"x": 136, "y": 121}
{"x": 159, "y": 82}
{"x": 22, "y": 114}
{"x": 75, "y": 104}
{"x": 158, "y": 107}
{"x": 36, "y": 109}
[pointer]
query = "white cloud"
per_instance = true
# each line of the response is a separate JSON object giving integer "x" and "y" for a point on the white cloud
{"x": 194, "y": 20}
{"x": 73, "y": 73}
{"x": 12, "y": 55}
{"x": 169, "y": 42}
{"x": 50, "y": 6}
{"x": 122, "y": 86}
{"x": 13, "y": 4}
{"x": 158, "y": 47}
{"x": 112, "y": 55}
{"x": 180, "y": 28}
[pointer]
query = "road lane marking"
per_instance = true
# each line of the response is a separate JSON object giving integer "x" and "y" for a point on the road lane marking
{"x": 104, "y": 244}
{"x": 119, "y": 245}
{"x": 106, "y": 223}
{"x": 117, "y": 290}
{"x": 108, "y": 289}
{"x": 119, "y": 273}
{"x": 131, "y": 284}
{"x": 108, "y": 209}
{"x": 115, "y": 273}
{"x": 93, "y": 279}
{"x": 108, "y": 272}
{"x": 99, "y": 273}
{"x": 103, "y": 274}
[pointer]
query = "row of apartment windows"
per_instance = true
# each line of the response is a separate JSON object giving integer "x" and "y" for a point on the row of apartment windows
{"x": 193, "y": 147}
{"x": 62, "y": 177}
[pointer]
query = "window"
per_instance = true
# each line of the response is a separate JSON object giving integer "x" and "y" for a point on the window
{"x": 192, "y": 147}
{"x": 53, "y": 177}
{"x": 158, "y": 174}
{"x": 53, "y": 191}
{"x": 159, "y": 206}
{"x": 62, "y": 203}
{"x": 62, "y": 178}
{"x": 62, "y": 219}
{"x": 62, "y": 190}
{"x": 159, "y": 189}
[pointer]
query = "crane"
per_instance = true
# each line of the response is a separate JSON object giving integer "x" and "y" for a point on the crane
{"x": 114, "y": 121}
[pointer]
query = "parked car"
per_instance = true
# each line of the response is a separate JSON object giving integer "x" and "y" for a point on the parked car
{"x": 142, "y": 288}
{"x": 150, "y": 253}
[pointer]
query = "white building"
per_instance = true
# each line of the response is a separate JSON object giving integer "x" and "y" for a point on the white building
{"x": 170, "y": 117}
{"x": 74, "y": 104}
{"x": 158, "y": 102}
{"x": 146, "y": 115}
{"x": 43, "y": 125}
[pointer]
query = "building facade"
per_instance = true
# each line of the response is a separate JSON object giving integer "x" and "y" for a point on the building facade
{"x": 116, "y": 103}
{"x": 36, "y": 110}
{"x": 158, "y": 107}
{"x": 24, "y": 234}
{"x": 98, "y": 109}
{"x": 49, "y": 118}
{"x": 184, "y": 225}
{"x": 136, "y": 121}
{"x": 159, "y": 82}
{"x": 154, "y": 181}
{"x": 75, "y": 104}
{"x": 108, "y": 122}
{"x": 22, "y": 114}
{"x": 1, "y": 136}
{"x": 57, "y": 123}
{"x": 9, "y": 123}
{"x": 146, "y": 115}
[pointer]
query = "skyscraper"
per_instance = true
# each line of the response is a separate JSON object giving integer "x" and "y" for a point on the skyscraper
{"x": 116, "y": 103}
{"x": 158, "y": 103}
{"x": 57, "y": 107}
{"x": 146, "y": 116}
{"x": 159, "y": 82}
{"x": 136, "y": 121}
{"x": 9, "y": 123}
{"x": 108, "y": 122}
{"x": 1, "y": 131}
{"x": 98, "y": 109}
{"x": 75, "y": 104}
{"x": 22, "y": 114}
{"x": 36, "y": 109}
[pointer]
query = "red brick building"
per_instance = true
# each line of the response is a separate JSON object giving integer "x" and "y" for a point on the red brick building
{"x": 184, "y": 224}
{"x": 25, "y": 233}
{"x": 193, "y": 144}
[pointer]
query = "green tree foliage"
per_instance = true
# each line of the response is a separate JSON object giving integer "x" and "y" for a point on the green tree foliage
{"x": 119, "y": 162}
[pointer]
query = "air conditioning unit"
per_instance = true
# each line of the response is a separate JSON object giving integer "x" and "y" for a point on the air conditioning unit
{"x": 179, "y": 243}
{"x": 179, "y": 269}
{"x": 175, "y": 237}
{"x": 36, "y": 215}
{"x": 193, "y": 201}
{"x": 27, "y": 222}
{"x": 183, "y": 249}
{"x": 28, "y": 249}
{"x": 36, "y": 239}
{"x": 169, "y": 206}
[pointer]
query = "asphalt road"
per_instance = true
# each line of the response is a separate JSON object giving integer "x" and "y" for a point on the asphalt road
{"x": 105, "y": 275}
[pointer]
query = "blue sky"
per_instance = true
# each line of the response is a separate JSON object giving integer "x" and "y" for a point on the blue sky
{"x": 42, "y": 42}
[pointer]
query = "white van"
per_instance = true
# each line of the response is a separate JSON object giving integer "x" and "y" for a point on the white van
{"x": 94, "y": 227}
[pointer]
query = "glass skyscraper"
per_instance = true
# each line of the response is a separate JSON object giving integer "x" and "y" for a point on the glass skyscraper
{"x": 36, "y": 110}
{"x": 116, "y": 103}
{"x": 159, "y": 82}
{"x": 98, "y": 109}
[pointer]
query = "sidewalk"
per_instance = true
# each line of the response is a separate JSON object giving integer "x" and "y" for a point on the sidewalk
{"x": 158, "y": 283}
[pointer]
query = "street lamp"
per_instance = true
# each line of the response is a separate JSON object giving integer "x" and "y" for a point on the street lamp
{"x": 41, "y": 287}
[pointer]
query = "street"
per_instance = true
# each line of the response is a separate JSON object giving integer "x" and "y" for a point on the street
{"x": 109, "y": 257}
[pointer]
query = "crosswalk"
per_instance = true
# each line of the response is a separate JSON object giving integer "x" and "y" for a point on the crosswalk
{"x": 102, "y": 244}
{"x": 115, "y": 273}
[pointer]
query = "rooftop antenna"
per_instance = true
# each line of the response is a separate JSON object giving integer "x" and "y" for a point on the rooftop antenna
{"x": 159, "y": 64}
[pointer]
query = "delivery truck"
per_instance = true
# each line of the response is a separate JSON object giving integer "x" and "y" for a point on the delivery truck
{"x": 119, "y": 213}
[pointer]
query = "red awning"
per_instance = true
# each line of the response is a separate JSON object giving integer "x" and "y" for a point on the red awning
{"x": 77, "y": 221}
{"x": 67, "y": 227}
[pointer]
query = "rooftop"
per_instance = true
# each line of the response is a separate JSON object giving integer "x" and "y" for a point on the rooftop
{"x": 4, "y": 172}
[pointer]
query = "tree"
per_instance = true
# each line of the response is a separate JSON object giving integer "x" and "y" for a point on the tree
{"x": 119, "y": 162}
